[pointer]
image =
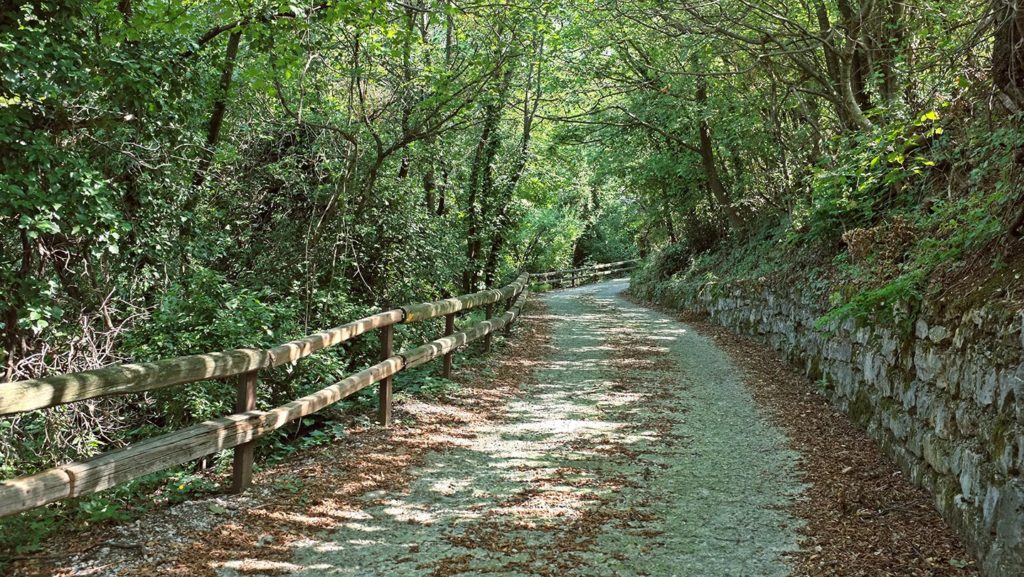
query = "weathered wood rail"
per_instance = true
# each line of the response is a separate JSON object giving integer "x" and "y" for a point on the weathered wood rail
{"x": 241, "y": 429}
{"x": 580, "y": 275}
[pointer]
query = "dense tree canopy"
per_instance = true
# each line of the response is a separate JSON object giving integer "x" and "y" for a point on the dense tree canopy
{"x": 179, "y": 177}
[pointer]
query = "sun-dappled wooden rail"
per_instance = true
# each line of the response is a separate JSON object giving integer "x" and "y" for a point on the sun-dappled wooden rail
{"x": 241, "y": 429}
{"x": 580, "y": 275}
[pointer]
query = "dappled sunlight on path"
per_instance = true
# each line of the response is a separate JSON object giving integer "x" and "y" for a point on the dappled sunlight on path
{"x": 635, "y": 452}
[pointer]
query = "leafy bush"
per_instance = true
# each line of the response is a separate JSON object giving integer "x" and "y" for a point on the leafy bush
{"x": 866, "y": 176}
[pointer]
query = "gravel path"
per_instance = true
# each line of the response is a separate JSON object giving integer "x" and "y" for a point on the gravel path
{"x": 639, "y": 452}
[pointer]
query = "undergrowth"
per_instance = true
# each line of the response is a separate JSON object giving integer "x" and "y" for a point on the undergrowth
{"x": 914, "y": 211}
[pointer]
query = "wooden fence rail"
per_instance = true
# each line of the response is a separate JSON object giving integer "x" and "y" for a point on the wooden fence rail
{"x": 238, "y": 431}
{"x": 580, "y": 275}
{"x": 242, "y": 428}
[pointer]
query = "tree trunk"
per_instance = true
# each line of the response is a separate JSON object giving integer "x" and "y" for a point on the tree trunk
{"x": 670, "y": 226}
{"x": 220, "y": 105}
{"x": 481, "y": 181}
{"x": 1008, "y": 50}
{"x": 502, "y": 224}
{"x": 839, "y": 65}
{"x": 893, "y": 35}
{"x": 443, "y": 192}
{"x": 429, "y": 186}
{"x": 707, "y": 158}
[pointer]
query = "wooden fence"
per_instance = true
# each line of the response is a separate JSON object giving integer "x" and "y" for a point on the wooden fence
{"x": 581, "y": 275}
{"x": 241, "y": 429}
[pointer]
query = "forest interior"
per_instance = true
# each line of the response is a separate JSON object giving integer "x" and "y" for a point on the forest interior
{"x": 179, "y": 178}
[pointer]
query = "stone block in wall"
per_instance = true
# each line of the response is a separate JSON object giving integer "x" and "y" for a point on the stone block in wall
{"x": 938, "y": 334}
{"x": 1011, "y": 392}
{"x": 842, "y": 376}
{"x": 949, "y": 377}
{"x": 1001, "y": 516}
{"x": 889, "y": 346}
{"x": 966, "y": 464}
{"x": 897, "y": 421}
{"x": 966, "y": 419}
{"x": 840, "y": 349}
{"x": 943, "y": 420}
{"x": 936, "y": 452}
{"x": 915, "y": 441}
{"x": 848, "y": 326}
{"x": 909, "y": 395}
{"x": 959, "y": 338}
{"x": 905, "y": 358}
{"x": 985, "y": 393}
{"x": 988, "y": 507}
{"x": 870, "y": 367}
{"x": 786, "y": 327}
{"x": 1019, "y": 465}
{"x": 970, "y": 379}
{"x": 926, "y": 401}
{"x": 885, "y": 383}
{"x": 1006, "y": 459}
{"x": 862, "y": 335}
{"x": 927, "y": 361}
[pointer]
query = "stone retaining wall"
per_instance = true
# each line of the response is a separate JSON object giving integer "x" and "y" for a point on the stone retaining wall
{"x": 946, "y": 402}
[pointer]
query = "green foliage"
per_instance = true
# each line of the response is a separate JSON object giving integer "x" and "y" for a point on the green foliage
{"x": 666, "y": 263}
{"x": 101, "y": 510}
{"x": 422, "y": 382}
{"x": 181, "y": 486}
{"x": 373, "y": 154}
{"x": 329, "y": 433}
{"x": 27, "y": 532}
{"x": 867, "y": 175}
{"x": 895, "y": 303}
{"x": 823, "y": 386}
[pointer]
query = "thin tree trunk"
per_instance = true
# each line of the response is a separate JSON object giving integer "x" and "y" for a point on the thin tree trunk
{"x": 707, "y": 157}
{"x": 481, "y": 182}
{"x": 220, "y": 105}
{"x": 1008, "y": 50}
{"x": 501, "y": 220}
{"x": 670, "y": 226}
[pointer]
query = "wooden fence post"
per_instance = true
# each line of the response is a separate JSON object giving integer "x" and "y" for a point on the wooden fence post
{"x": 572, "y": 283}
{"x": 387, "y": 338}
{"x": 508, "y": 306}
{"x": 245, "y": 400}
{"x": 487, "y": 337}
{"x": 449, "y": 328}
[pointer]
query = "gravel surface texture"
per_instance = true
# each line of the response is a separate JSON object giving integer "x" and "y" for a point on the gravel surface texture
{"x": 636, "y": 452}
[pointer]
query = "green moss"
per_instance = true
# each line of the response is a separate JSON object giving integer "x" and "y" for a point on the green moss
{"x": 999, "y": 435}
{"x": 862, "y": 410}
{"x": 814, "y": 368}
